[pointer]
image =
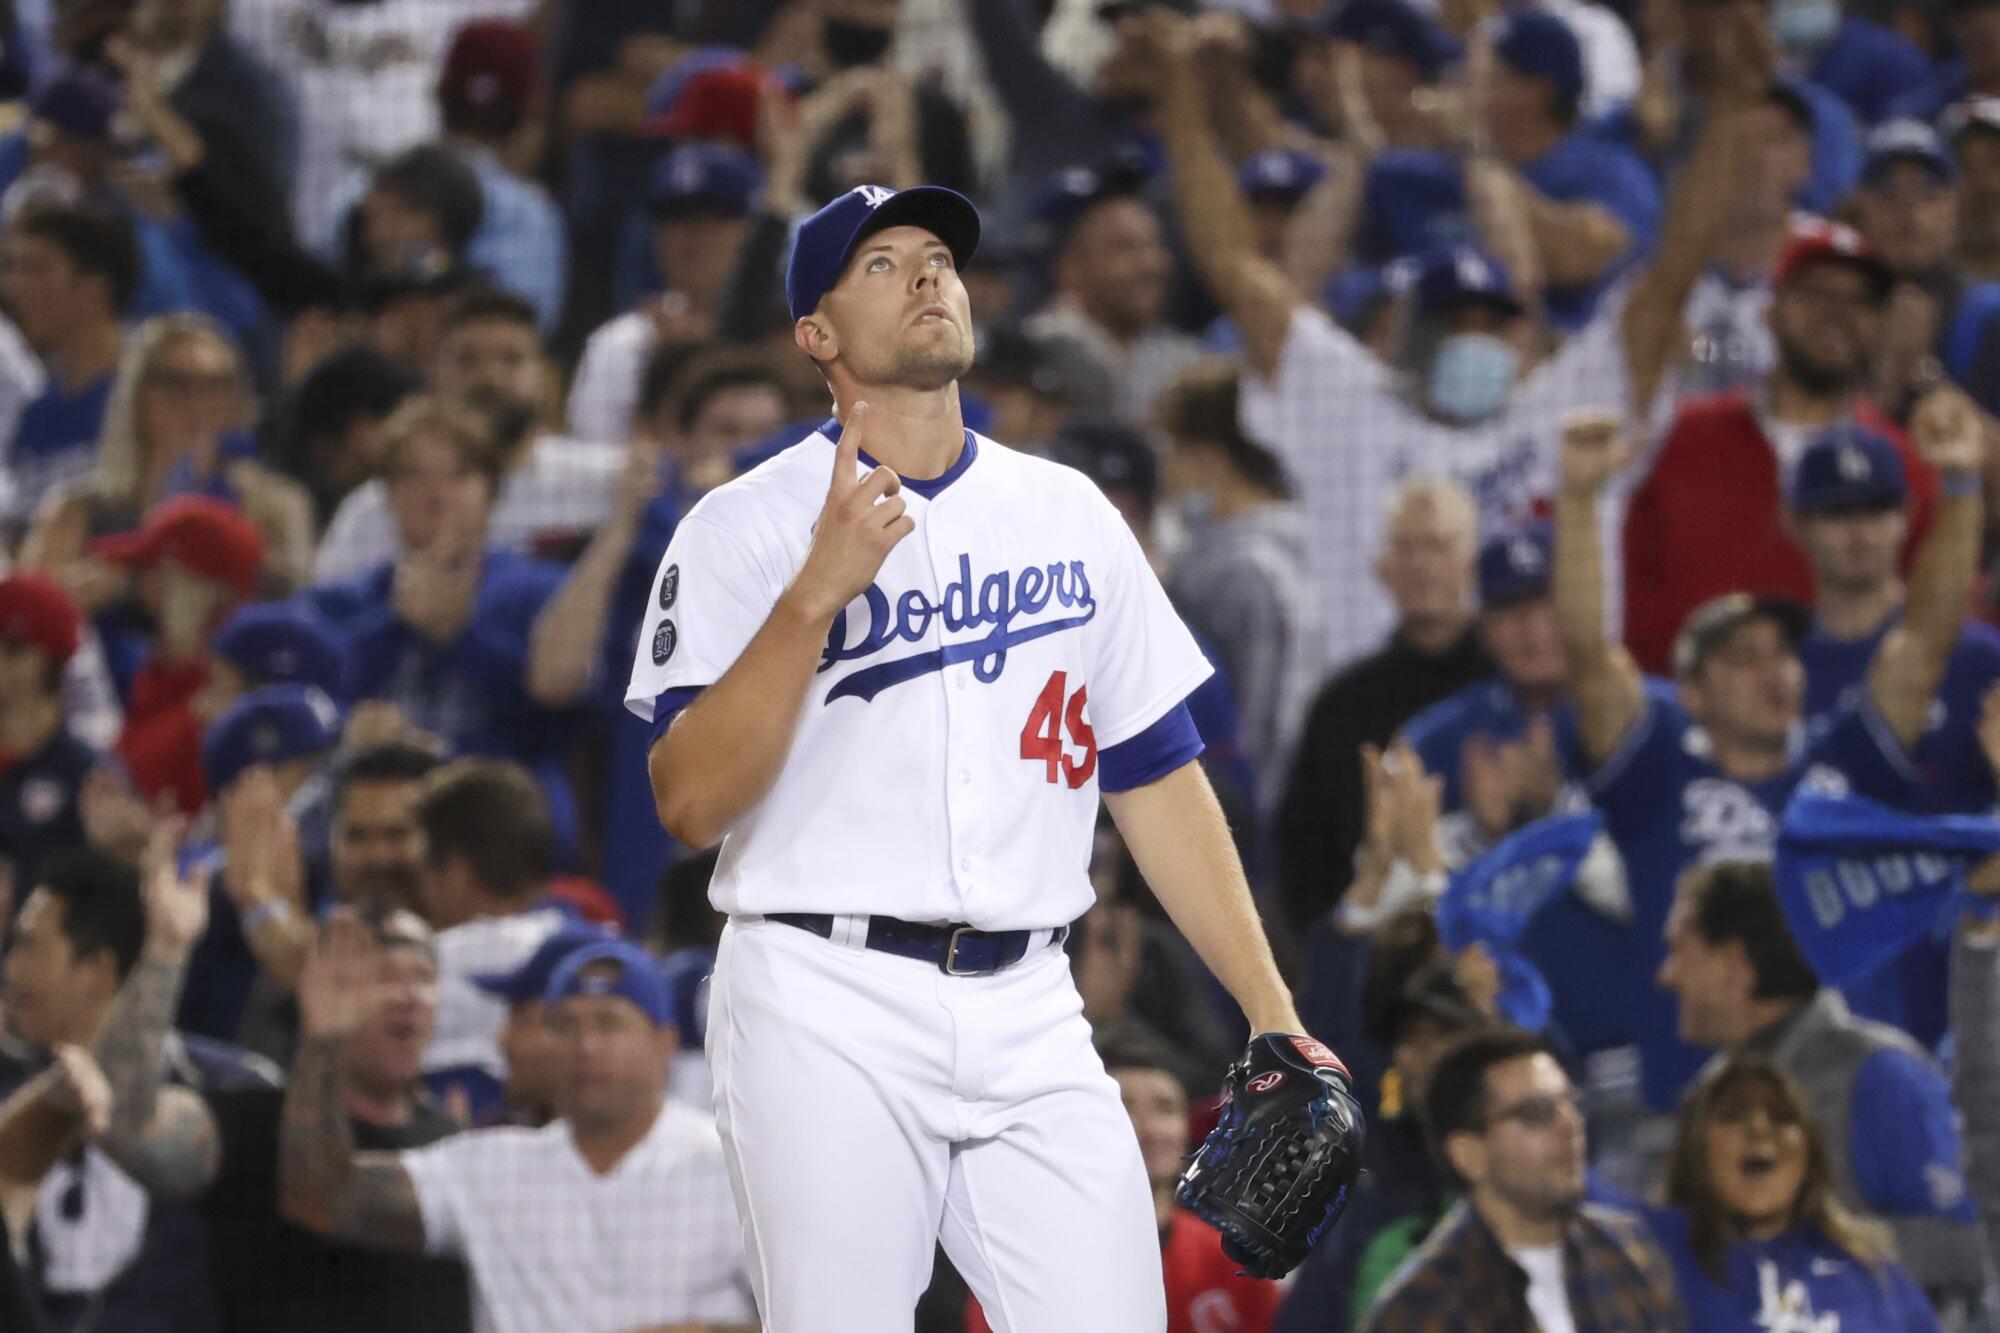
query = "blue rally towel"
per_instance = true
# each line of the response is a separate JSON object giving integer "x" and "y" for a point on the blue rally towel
{"x": 1861, "y": 882}
{"x": 1491, "y": 901}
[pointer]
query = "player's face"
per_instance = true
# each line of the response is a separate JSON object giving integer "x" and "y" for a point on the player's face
{"x": 1116, "y": 265}
{"x": 50, "y": 991}
{"x": 1533, "y": 1142}
{"x": 1749, "y": 689}
{"x": 1711, "y": 982}
{"x": 530, "y": 1049}
{"x": 612, "y": 1060}
{"x": 1910, "y": 216}
{"x": 1756, "y": 1153}
{"x": 1826, "y": 321}
{"x": 377, "y": 852}
{"x": 1526, "y": 644}
{"x": 1159, "y": 1111}
{"x": 438, "y": 500}
{"x": 492, "y": 364}
{"x": 1853, "y": 550}
{"x": 387, "y": 1054}
{"x": 899, "y": 314}
{"x": 40, "y": 285}
{"x": 1426, "y": 564}
{"x": 192, "y": 394}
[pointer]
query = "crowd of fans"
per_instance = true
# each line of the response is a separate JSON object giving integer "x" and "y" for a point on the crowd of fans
{"x": 1564, "y": 423}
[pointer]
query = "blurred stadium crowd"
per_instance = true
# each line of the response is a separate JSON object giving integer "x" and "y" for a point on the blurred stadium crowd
{"x": 1569, "y": 426}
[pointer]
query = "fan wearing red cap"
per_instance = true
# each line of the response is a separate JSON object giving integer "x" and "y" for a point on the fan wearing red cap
{"x": 42, "y": 764}
{"x": 1709, "y": 517}
{"x": 197, "y": 559}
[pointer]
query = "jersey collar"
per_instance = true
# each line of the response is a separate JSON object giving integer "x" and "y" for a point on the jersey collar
{"x": 928, "y": 488}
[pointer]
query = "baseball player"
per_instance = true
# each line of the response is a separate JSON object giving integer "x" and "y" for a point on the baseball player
{"x": 891, "y": 670}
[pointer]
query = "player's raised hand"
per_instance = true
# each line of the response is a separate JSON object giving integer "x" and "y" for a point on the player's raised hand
{"x": 1948, "y": 431}
{"x": 860, "y": 524}
{"x": 340, "y": 986}
{"x": 1593, "y": 452}
{"x": 176, "y": 900}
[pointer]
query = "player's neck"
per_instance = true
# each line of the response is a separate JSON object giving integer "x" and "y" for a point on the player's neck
{"x": 1848, "y": 614}
{"x": 603, "y": 1144}
{"x": 917, "y": 433}
{"x": 1750, "y": 761}
{"x": 1517, "y": 1228}
{"x": 1794, "y": 404}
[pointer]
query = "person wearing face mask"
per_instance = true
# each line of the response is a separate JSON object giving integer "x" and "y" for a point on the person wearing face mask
{"x": 1466, "y": 398}
{"x": 1241, "y": 578}
{"x": 1869, "y": 66}
{"x": 1707, "y": 518}
{"x": 1757, "y": 1237}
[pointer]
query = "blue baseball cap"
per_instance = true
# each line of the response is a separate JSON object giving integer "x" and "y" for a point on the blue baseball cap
{"x": 1286, "y": 175}
{"x": 268, "y": 726}
{"x": 704, "y": 179}
{"x": 530, "y": 981}
{"x": 1907, "y": 140}
{"x": 1542, "y": 46}
{"x": 1515, "y": 565}
{"x": 828, "y": 238}
{"x": 1395, "y": 28}
{"x": 1848, "y": 466}
{"x": 1461, "y": 275}
{"x": 277, "y": 643}
{"x": 79, "y": 105}
{"x": 1068, "y": 194}
{"x": 639, "y": 979}
{"x": 667, "y": 87}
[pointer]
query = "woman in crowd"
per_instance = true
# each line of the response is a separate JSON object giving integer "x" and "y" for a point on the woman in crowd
{"x": 1756, "y": 1237}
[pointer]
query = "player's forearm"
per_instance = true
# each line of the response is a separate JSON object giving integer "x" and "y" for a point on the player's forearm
{"x": 1504, "y": 214}
{"x": 315, "y": 1145}
{"x": 1603, "y": 682}
{"x": 1212, "y": 214}
{"x": 1576, "y": 243}
{"x": 722, "y": 754}
{"x": 130, "y": 1049}
{"x": 1179, "y": 838}
{"x": 1321, "y": 232}
{"x": 1947, "y": 568}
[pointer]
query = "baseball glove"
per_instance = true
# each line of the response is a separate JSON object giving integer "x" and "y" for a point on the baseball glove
{"x": 1275, "y": 1171}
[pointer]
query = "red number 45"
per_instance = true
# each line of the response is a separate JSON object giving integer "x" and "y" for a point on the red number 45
{"x": 1041, "y": 737}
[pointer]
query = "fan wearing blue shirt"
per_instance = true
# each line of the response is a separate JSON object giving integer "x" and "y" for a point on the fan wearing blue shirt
{"x": 447, "y": 632}
{"x": 1868, "y": 65}
{"x": 1683, "y": 781}
{"x": 1973, "y": 71}
{"x": 1593, "y": 208}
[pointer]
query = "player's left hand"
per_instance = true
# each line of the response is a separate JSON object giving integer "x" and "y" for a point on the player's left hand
{"x": 1276, "y": 1171}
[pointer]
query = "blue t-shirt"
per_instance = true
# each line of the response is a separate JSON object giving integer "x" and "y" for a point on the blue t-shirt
{"x": 1798, "y": 1281}
{"x": 1871, "y": 66}
{"x": 1667, "y": 806}
{"x": 1414, "y": 201}
{"x": 471, "y": 692}
{"x": 56, "y": 439}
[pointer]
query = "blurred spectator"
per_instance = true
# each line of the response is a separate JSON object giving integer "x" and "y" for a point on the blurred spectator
{"x": 446, "y": 632}
{"x": 68, "y": 275}
{"x": 488, "y": 856}
{"x": 1425, "y": 563}
{"x": 1668, "y": 804}
{"x": 42, "y": 762}
{"x": 518, "y": 1205}
{"x": 700, "y": 198}
{"x": 331, "y": 433}
{"x": 198, "y": 560}
{"x": 1462, "y": 400}
{"x": 418, "y": 215}
{"x": 376, "y": 856}
{"x": 1706, "y": 518}
{"x": 1868, "y": 65}
{"x": 1975, "y": 1022}
{"x": 38, "y": 1122}
{"x": 1240, "y": 580}
{"x": 1973, "y": 129}
{"x": 1755, "y": 1233}
{"x": 1881, "y": 1105}
{"x": 91, "y": 963}
{"x": 1204, "y": 1287}
{"x": 1112, "y": 275}
{"x": 1971, "y": 71}
{"x": 1523, "y": 1250}
{"x": 1386, "y": 55}
{"x": 1727, "y": 313}
{"x": 1907, "y": 211}
{"x": 171, "y": 431}
{"x": 551, "y": 494}
{"x": 1030, "y": 382}
{"x": 271, "y": 643}
{"x": 1590, "y": 207}
{"x": 528, "y": 1042}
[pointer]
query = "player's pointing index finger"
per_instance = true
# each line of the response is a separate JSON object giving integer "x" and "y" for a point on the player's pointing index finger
{"x": 847, "y": 452}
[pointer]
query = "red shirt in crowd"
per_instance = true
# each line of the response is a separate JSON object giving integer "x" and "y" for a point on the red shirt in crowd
{"x": 1710, "y": 519}
{"x": 161, "y": 742}
{"x": 1205, "y": 1293}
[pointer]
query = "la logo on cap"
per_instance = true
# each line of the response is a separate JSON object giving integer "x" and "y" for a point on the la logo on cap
{"x": 874, "y": 195}
{"x": 1853, "y": 464}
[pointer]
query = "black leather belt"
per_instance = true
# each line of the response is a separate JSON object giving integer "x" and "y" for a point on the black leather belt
{"x": 958, "y": 951}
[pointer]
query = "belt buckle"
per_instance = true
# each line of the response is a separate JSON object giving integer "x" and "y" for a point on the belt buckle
{"x": 950, "y": 965}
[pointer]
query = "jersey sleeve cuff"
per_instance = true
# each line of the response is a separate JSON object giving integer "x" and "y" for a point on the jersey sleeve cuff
{"x": 1152, "y": 754}
{"x": 668, "y": 706}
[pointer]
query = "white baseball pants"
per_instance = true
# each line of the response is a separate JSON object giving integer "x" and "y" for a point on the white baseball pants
{"x": 871, "y": 1106}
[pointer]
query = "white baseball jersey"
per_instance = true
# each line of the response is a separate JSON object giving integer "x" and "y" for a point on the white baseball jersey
{"x": 946, "y": 763}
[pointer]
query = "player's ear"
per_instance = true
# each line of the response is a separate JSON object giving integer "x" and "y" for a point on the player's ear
{"x": 1467, "y": 1155}
{"x": 816, "y": 338}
